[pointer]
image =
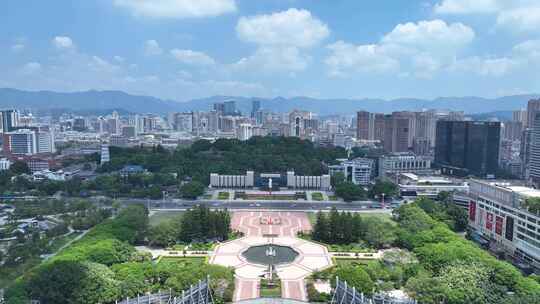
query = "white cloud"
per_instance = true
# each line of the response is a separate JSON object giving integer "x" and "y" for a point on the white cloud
{"x": 63, "y": 43}
{"x": 523, "y": 19}
{"x": 152, "y": 48}
{"x": 291, "y": 28}
{"x": 514, "y": 15}
{"x": 177, "y": 8}
{"x": 119, "y": 59}
{"x": 529, "y": 49}
{"x": 485, "y": 66}
{"x": 346, "y": 57}
{"x": 273, "y": 59}
{"x": 18, "y": 47}
{"x": 30, "y": 68}
{"x": 282, "y": 40}
{"x": 99, "y": 64}
{"x": 192, "y": 57}
{"x": 423, "y": 47}
{"x": 467, "y": 6}
{"x": 434, "y": 36}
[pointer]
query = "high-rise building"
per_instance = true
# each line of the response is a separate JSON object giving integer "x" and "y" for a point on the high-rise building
{"x": 45, "y": 141}
{"x": 79, "y": 124}
{"x": 520, "y": 116}
{"x": 397, "y": 132}
{"x": 369, "y": 126}
{"x": 220, "y": 108}
{"x": 426, "y": 123}
{"x": 363, "y": 125}
{"x": 213, "y": 121}
{"x": 21, "y": 142}
{"x": 533, "y": 106}
{"x": 229, "y": 107}
{"x": 512, "y": 130}
{"x": 244, "y": 131}
{"x": 468, "y": 147}
{"x": 255, "y": 107}
{"x": 105, "y": 154}
{"x": 525, "y": 153}
{"x": 297, "y": 120}
{"x": 183, "y": 122}
{"x": 9, "y": 119}
{"x": 534, "y": 161}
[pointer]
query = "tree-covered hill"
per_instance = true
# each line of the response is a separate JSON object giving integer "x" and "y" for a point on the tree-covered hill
{"x": 230, "y": 156}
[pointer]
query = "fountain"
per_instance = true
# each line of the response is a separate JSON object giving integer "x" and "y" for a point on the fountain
{"x": 270, "y": 254}
{"x": 271, "y": 251}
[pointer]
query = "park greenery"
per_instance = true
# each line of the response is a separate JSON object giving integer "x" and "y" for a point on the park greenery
{"x": 104, "y": 266}
{"x": 343, "y": 228}
{"x": 443, "y": 267}
{"x": 197, "y": 225}
{"x": 185, "y": 171}
{"x": 31, "y": 243}
{"x": 349, "y": 192}
{"x": 229, "y": 156}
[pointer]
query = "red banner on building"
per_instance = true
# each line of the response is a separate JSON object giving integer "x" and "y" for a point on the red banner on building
{"x": 472, "y": 211}
{"x": 498, "y": 225}
{"x": 489, "y": 221}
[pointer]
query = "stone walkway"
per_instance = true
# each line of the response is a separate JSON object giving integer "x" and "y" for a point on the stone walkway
{"x": 282, "y": 231}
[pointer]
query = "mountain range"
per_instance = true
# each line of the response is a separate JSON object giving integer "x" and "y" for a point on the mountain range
{"x": 106, "y": 100}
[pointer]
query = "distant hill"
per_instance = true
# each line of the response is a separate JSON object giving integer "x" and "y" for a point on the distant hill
{"x": 104, "y": 100}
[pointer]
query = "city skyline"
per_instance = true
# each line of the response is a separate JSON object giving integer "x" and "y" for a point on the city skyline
{"x": 424, "y": 49}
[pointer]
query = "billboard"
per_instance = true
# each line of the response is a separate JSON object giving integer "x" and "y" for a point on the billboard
{"x": 489, "y": 221}
{"x": 498, "y": 225}
{"x": 472, "y": 211}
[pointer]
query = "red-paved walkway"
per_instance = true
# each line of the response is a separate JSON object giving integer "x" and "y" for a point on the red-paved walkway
{"x": 250, "y": 224}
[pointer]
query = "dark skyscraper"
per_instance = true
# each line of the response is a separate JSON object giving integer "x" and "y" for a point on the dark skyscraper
{"x": 229, "y": 107}
{"x": 255, "y": 107}
{"x": 468, "y": 147}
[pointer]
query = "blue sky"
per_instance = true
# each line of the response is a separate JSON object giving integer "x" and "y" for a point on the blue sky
{"x": 184, "y": 49}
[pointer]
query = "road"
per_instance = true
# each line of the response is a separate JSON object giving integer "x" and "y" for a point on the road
{"x": 257, "y": 205}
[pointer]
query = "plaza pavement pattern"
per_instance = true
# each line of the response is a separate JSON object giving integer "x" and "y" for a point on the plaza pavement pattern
{"x": 311, "y": 257}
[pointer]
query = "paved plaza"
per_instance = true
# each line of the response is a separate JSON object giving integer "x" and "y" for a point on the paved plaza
{"x": 279, "y": 228}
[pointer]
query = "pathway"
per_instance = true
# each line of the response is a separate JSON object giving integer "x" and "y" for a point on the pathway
{"x": 283, "y": 228}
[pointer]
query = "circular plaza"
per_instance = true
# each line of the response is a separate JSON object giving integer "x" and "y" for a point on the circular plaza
{"x": 270, "y": 238}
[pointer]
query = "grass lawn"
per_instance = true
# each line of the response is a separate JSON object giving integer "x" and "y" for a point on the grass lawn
{"x": 271, "y": 197}
{"x": 61, "y": 241}
{"x": 383, "y": 216}
{"x": 224, "y": 195}
{"x": 163, "y": 216}
{"x": 348, "y": 248}
{"x": 185, "y": 260}
{"x": 317, "y": 196}
{"x": 270, "y": 291}
{"x": 333, "y": 198}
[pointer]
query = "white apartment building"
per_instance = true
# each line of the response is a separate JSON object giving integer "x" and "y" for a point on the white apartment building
{"x": 244, "y": 131}
{"x": 497, "y": 214}
{"x": 358, "y": 171}
{"x": 404, "y": 162}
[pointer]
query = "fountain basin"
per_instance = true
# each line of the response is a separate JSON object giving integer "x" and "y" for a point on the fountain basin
{"x": 270, "y": 254}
